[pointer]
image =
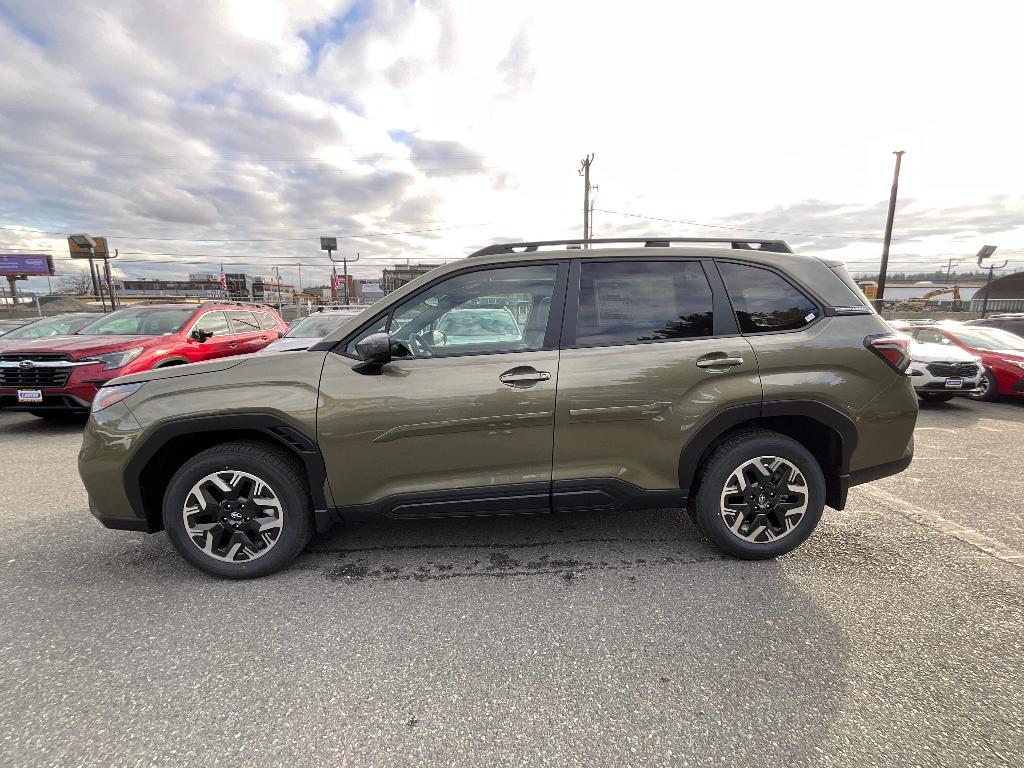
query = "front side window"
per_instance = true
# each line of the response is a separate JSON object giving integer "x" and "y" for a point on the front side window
{"x": 763, "y": 301}
{"x": 482, "y": 312}
{"x": 213, "y": 322}
{"x": 627, "y": 302}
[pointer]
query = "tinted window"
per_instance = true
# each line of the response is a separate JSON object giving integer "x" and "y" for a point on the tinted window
{"x": 764, "y": 301}
{"x": 144, "y": 321}
{"x": 242, "y": 322}
{"x": 931, "y": 337}
{"x": 631, "y": 301}
{"x": 213, "y": 322}
{"x": 480, "y": 312}
{"x": 53, "y": 326}
{"x": 267, "y": 322}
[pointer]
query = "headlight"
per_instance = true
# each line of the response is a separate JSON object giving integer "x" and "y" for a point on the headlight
{"x": 107, "y": 396}
{"x": 1018, "y": 363}
{"x": 119, "y": 359}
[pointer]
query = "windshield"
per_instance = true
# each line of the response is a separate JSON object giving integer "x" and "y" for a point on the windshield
{"x": 989, "y": 338}
{"x": 479, "y": 322}
{"x": 140, "y": 321}
{"x": 317, "y": 326}
{"x": 51, "y": 326}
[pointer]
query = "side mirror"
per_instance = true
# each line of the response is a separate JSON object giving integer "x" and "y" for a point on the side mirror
{"x": 375, "y": 350}
{"x": 200, "y": 335}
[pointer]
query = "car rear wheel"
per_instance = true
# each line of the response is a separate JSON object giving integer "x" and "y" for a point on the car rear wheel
{"x": 761, "y": 495}
{"x": 931, "y": 397}
{"x": 239, "y": 510}
{"x": 987, "y": 389}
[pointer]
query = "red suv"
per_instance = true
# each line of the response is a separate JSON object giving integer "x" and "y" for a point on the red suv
{"x": 1001, "y": 352}
{"x": 59, "y": 375}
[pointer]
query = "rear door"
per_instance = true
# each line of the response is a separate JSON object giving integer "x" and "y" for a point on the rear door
{"x": 650, "y": 352}
{"x": 246, "y": 330}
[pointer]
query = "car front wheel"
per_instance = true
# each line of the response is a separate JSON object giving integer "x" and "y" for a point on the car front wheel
{"x": 239, "y": 510}
{"x": 760, "y": 496}
{"x": 987, "y": 389}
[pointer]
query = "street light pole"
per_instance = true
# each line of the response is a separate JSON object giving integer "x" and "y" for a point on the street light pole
{"x": 888, "y": 230}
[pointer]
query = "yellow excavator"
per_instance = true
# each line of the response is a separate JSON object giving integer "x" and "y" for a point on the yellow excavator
{"x": 921, "y": 304}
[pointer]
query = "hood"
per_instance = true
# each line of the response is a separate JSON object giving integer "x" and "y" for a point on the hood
{"x": 924, "y": 352}
{"x": 175, "y": 371}
{"x": 287, "y": 345}
{"x": 77, "y": 347}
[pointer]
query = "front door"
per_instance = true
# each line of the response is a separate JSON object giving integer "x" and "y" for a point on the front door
{"x": 461, "y": 421}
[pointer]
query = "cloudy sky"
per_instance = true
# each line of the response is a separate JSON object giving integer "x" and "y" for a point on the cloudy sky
{"x": 200, "y": 133}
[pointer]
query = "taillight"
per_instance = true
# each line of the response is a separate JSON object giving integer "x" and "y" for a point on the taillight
{"x": 892, "y": 349}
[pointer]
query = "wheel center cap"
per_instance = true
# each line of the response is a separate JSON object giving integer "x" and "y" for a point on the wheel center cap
{"x": 762, "y": 500}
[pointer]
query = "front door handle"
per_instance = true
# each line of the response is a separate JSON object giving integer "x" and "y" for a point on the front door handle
{"x": 719, "y": 362}
{"x": 523, "y": 376}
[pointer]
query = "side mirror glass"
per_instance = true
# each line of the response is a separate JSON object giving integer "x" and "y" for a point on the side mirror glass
{"x": 375, "y": 349}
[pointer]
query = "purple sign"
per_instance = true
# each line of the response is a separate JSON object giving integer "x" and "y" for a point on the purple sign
{"x": 25, "y": 264}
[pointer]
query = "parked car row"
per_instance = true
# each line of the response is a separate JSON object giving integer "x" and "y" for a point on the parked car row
{"x": 53, "y": 368}
{"x": 970, "y": 359}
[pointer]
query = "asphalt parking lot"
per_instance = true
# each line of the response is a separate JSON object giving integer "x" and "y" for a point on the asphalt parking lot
{"x": 893, "y": 637}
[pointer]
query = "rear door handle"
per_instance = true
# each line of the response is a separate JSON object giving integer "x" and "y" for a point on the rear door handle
{"x": 719, "y": 362}
{"x": 523, "y": 376}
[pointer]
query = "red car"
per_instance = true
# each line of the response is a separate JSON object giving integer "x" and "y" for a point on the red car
{"x": 1001, "y": 352}
{"x": 59, "y": 375}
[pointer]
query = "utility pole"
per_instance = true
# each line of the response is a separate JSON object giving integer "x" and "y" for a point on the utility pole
{"x": 888, "y": 230}
{"x": 277, "y": 274}
{"x": 986, "y": 253}
{"x": 949, "y": 268}
{"x": 584, "y": 171}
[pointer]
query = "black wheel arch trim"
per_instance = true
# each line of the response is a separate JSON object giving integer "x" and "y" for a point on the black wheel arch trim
{"x": 276, "y": 429}
{"x": 733, "y": 416}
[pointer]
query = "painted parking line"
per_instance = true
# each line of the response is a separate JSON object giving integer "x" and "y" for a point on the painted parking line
{"x": 937, "y": 522}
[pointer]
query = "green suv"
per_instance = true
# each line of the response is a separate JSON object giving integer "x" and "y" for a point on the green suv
{"x": 735, "y": 379}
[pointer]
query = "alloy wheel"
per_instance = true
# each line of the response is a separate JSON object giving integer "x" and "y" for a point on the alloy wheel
{"x": 233, "y": 516}
{"x": 764, "y": 499}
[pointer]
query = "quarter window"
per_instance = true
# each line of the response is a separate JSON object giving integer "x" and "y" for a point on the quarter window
{"x": 765, "y": 302}
{"x": 267, "y": 322}
{"x": 627, "y": 302}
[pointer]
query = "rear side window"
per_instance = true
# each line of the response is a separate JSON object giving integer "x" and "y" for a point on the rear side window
{"x": 267, "y": 323}
{"x": 242, "y": 322}
{"x": 627, "y": 302}
{"x": 765, "y": 302}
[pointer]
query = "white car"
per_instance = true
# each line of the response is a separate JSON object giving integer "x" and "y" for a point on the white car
{"x": 940, "y": 372}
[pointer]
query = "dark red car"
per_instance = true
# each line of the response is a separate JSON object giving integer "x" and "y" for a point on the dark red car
{"x": 1001, "y": 352}
{"x": 59, "y": 375}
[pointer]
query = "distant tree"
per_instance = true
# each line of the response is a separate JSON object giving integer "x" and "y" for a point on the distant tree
{"x": 75, "y": 283}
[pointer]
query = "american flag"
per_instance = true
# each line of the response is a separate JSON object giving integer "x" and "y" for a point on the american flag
{"x": 223, "y": 282}
{"x": 335, "y": 282}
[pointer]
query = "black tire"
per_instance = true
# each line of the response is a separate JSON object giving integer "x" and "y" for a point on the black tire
{"x": 729, "y": 457}
{"x": 934, "y": 397}
{"x": 987, "y": 389}
{"x": 283, "y": 475}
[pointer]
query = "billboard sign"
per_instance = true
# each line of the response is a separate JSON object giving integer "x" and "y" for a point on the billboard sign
{"x": 25, "y": 264}
{"x": 82, "y": 252}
